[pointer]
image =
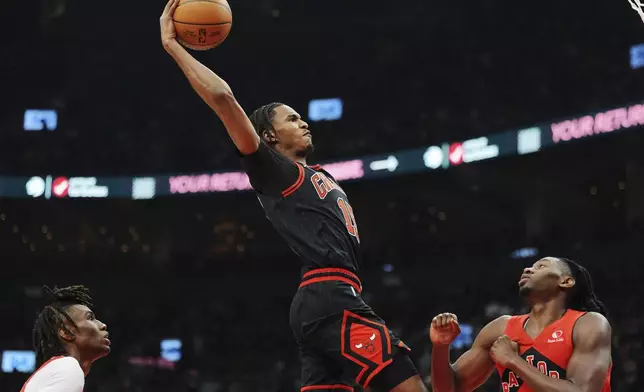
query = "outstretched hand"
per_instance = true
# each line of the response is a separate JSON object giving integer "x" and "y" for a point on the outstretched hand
{"x": 168, "y": 32}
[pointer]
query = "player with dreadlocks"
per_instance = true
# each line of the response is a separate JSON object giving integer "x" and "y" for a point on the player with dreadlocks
{"x": 562, "y": 345}
{"x": 342, "y": 341}
{"x": 67, "y": 339}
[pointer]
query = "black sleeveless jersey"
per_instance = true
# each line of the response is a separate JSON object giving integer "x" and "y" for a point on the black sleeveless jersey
{"x": 307, "y": 207}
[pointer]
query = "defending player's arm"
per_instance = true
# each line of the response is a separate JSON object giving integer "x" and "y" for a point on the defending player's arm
{"x": 474, "y": 367}
{"x": 588, "y": 365}
{"x": 210, "y": 87}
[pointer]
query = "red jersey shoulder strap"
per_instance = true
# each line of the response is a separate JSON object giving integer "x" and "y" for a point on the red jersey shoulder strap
{"x": 568, "y": 322}
{"x": 514, "y": 329}
{"x": 572, "y": 316}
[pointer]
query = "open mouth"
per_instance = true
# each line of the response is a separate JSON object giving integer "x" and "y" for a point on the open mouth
{"x": 523, "y": 279}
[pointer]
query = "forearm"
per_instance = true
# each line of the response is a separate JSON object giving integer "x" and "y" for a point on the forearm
{"x": 539, "y": 382}
{"x": 204, "y": 81}
{"x": 218, "y": 95}
{"x": 442, "y": 374}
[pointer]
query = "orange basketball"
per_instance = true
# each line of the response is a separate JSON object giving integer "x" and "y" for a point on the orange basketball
{"x": 202, "y": 24}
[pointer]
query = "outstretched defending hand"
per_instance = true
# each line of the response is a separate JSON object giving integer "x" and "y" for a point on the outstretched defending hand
{"x": 168, "y": 32}
{"x": 444, "y": 329}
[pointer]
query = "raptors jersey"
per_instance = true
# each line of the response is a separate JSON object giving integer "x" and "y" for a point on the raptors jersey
{"x": 549, "y": 352}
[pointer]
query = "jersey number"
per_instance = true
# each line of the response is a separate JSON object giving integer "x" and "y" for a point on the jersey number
{"x": 349, "y": 219}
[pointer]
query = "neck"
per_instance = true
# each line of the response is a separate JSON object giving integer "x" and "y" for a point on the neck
{"x": 292, "y": 155}
{"x": 85, "y": 364}
{"x": 544, "y": 313}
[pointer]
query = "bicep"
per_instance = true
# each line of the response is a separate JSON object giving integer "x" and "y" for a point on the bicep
{"x": 473, "y": 368}
{"x": 239, "y": 127}
{"x": 591, "y": 358}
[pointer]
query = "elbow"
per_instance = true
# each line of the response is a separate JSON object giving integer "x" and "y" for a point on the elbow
{"x": 222, "y": 95}
{"x": 220, "y": 100}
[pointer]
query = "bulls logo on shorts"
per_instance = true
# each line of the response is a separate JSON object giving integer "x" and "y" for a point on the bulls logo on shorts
{"x": 367, "y": 344}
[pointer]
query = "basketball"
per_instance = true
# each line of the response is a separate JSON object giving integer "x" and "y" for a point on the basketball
{"x": 202, "y": 24}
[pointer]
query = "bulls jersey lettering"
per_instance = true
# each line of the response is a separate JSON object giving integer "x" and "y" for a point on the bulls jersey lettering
{"x": 549, "y": 352}
{"x": 323, "y": 185}
{"x": 307, "y": 207}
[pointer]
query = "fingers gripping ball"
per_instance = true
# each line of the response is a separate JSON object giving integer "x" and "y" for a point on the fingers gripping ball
{"x": 202, "y": 24}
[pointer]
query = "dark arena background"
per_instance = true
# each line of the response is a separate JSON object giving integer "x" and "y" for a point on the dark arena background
{"x": 472, "y": 137}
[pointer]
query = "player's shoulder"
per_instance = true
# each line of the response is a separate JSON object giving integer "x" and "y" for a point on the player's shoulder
{"x": 57, "y": 374}
{"x": 69, "y": 364}
{"x": 592, "y": 332}
{"x": 493, "y": 330}
{"x": 503, "y": 319}
{"x": 64, "y": 369}
{"x": 594, "y": 317}
{"x": 591, "y": 323}
{"x": 502, "y": 322}
{"x": 499, "y": 323}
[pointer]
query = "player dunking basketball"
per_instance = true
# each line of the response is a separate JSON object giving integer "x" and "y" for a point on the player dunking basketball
{"x": 342, "y": 341}
{"x": 563, "y": 345}
{"x": 67, "y": 339}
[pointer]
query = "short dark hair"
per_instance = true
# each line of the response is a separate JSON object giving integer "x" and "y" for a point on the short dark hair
{"x": 582, "y": 296}
{"x": 51, "y": 319}
{"x": 262, "y": 118}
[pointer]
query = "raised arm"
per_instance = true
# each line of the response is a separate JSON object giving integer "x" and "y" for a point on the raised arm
{"x": 210, "y": 87}
{"x": 474, "y": 367}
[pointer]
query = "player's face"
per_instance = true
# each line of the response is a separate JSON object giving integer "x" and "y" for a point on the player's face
{"x": 291, "y": 131}
{"x": 546, "y": 276}
{"x": 90, "y": 335}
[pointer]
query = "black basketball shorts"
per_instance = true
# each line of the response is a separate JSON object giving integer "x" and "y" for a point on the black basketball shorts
{"x": 342, "y": 341}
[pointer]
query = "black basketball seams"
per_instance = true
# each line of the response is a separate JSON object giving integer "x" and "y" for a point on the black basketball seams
{"x": 207, "y": 44}
{"x": 203, "y": 24}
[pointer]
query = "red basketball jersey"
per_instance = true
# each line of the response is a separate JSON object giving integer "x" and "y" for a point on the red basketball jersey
{"x": 549, "y": 352}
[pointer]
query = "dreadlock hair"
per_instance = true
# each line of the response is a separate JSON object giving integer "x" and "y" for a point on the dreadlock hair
{"x": 582, "y": 296}
{"x": 51, "y": 320}
{"x": 262, "y": 118}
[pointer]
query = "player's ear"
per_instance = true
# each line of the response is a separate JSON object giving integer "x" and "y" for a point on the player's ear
{"x": 567, "y": 282}
{"x": 66, "y": 335}
{"x": 269, "y": 136}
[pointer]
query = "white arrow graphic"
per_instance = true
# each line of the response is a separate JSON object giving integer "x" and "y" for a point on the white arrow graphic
{"x": 391, "y": 164}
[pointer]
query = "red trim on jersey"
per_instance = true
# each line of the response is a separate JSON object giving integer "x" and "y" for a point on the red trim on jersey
{"x": 326, "y": 387}
{"x": 316, "y": 167}
{"x": 332, "y": 274}
{"x": 329, "y": 271}
{"x": 298, "y": 183}
{"x": 41, "y": 366}
{"x": 332, "y": 278}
